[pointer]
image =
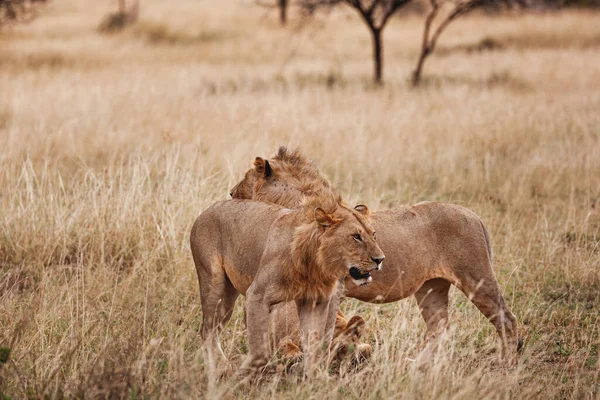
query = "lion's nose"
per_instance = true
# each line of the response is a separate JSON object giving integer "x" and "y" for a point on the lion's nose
{"x": 378, "y": 261}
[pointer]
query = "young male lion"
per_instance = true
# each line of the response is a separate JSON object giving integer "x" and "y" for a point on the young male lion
{"x": 429, "y": 246}
{"x": 271, "y": 255}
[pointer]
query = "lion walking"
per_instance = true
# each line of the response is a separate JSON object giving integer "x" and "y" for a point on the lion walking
{"x": 272, "y": 255}
{"x": 429, "y": 247}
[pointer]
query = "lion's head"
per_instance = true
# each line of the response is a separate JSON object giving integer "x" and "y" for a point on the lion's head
{"x": 286, "y": 179}
{"x": 340, "y": 242}
{"x": 345, "y": 235}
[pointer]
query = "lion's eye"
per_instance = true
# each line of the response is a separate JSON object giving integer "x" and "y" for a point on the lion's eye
{"x": 374, "y": 236}
{"x": 357, "y": 237}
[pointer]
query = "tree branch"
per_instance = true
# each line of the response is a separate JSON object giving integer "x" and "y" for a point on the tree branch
{"x": 356, "y": 4}
{"x": 372, "y": 7}
{"x": 459, "y": 10}
{"x": 396, "y": 5}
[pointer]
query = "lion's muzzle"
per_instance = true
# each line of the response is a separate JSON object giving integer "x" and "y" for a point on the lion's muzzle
{"x": 378, "y": 262}
{"x": 360, "y": 278}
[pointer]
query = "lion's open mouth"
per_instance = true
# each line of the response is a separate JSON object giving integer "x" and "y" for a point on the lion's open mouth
{"x": 360, "y": 278}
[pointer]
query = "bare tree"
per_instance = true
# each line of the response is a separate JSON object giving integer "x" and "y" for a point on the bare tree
{"x": 18, "y": 10}
{"x": 374, "y": 13}
{"x": 430, "y": 37}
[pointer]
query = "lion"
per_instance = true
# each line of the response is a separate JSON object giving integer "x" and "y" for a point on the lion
{"x": 272, "y": 255}
{"x": 429, "y": 246}
{"x": 285, "y": 337}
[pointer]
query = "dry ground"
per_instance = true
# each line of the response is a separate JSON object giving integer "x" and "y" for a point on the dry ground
{"x": 110, "y": 147}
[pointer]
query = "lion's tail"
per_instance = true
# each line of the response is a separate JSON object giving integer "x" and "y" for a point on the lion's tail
{"x": 487, "y": 241}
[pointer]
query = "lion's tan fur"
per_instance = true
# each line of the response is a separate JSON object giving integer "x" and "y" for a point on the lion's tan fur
{"x": 309, "y": 259}
{"x": 346, "y": 339}
{"x": 293, "y": 166}
{"x": 305, "y": 180}
{"x": 271, "y": 255}
{"x": 429, "y": 246}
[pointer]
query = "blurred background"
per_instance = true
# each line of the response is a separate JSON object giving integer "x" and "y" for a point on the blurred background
{"x": 120, "y": 121}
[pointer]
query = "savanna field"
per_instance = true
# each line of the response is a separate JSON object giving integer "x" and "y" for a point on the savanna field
{"x": 111, "y": 145}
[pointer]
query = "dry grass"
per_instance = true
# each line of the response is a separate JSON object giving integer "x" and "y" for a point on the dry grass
{"x": 112, "y": 145}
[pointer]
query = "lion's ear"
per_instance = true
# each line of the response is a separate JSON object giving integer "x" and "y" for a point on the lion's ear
{"x": 263, "y": 167}
{"x": 364, "y": 210}
{"x": 323, "y": 219}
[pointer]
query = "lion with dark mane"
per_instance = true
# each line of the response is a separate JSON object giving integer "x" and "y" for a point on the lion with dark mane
{"x": 272, "y": 255}
{"x": 429, "y": 247}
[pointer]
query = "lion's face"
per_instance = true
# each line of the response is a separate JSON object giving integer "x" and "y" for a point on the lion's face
{"x": 348, "y": 241}
{"x": 259, "y": 184}
{"x": 245, "y": 188}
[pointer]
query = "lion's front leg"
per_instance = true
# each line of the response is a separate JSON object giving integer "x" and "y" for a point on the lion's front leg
{"x": 332, "y": 312}
{"x": 313, "y": 320}
{"x": 257, "y": 316}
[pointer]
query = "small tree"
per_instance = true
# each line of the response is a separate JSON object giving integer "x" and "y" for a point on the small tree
{"x": 430, "y": 37}
{"x": 375, "y": 14}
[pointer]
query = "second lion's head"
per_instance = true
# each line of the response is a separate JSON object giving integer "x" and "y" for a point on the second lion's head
{"x": 286, "y": 179}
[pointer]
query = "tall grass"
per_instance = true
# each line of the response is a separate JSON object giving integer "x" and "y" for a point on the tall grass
{"x": 110, "y": 154}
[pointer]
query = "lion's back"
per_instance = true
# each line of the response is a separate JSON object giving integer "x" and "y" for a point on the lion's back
{"x": 233, "y": 221}
{"x": 446, "y": 230}
{"x": 232, "y": 235}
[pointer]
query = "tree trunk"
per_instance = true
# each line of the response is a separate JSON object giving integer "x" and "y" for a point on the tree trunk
{"x": 416, "y": 78}
{"x": 283, "y": 11}
{"x": 377, "y": 55}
